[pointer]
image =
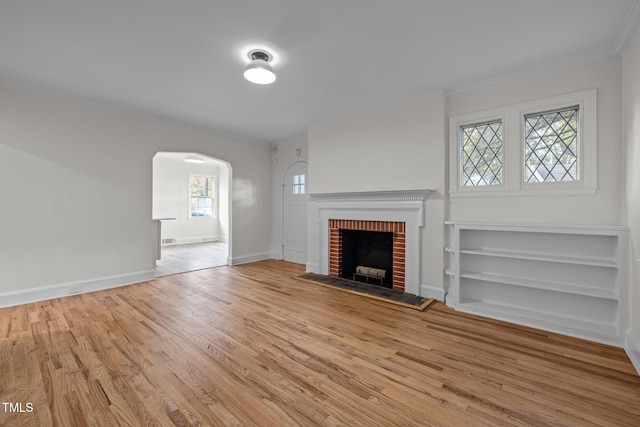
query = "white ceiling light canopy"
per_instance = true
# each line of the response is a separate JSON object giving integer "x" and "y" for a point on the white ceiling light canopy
{"x": 259, "y": 71}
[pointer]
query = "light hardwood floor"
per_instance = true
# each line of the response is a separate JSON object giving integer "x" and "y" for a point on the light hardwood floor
{"x": 250, "y": 345}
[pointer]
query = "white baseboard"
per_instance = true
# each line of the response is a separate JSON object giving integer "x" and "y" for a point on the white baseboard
{"x": 313, "y": 267}
{"x": 42, "y": 293}
{"x": 276, "y": 255}
{"x": 249, "y": 258}
{"x": 297, "y": 256}
{"x": 430, "y": 291}
{"x": 448, "y": 299}
{"x": 632, "y": 348}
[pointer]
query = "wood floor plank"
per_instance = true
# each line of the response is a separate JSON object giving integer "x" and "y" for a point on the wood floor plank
{"x": 252, "y": 346}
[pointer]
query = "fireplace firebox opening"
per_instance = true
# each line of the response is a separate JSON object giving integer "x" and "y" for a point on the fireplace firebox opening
{"x": 367, "y": 256}
{"x": 391, "y": 230}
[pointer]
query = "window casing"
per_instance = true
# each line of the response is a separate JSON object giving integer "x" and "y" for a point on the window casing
{"x": 201, "y": 197}
{"x": 548, "y": 147}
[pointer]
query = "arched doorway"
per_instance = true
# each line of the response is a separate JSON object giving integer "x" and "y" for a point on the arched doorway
{"x": 192, "y": 210}
{"x": 294, "y": 212}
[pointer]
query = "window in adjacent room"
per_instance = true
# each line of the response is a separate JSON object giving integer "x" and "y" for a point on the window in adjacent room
{"x": 299, "y": 184}
{"x": 201, "y": 196}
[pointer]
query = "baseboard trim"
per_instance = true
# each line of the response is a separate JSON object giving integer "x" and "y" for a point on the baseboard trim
{"x": 313, "y": 267}
{"x": 42, "y": 293}
{"x": 429, "y": 291}
{"x": 632, "y": 348}
{"x": 245, "y": 259}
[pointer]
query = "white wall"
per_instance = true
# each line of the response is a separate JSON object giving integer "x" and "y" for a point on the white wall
{"x": 281, "y": 159}
{"x": 170, "y": 199}
{"x": 395, "y": 147}
{"x": 602, "y": 208}
{"x": 75, "y": 188}
{"x": 631, "y": 211}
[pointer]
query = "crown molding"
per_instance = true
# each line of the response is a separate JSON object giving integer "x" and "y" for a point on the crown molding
{"x": 628, "y": 28}
{"x": 533, "y": 71}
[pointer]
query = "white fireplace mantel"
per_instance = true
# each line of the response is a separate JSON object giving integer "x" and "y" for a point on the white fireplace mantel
{"x": 397, "y": 206}
{"x": 382, "y": 196}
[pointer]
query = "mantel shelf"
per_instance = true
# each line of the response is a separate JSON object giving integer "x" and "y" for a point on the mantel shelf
{"x": 379, "y": 196}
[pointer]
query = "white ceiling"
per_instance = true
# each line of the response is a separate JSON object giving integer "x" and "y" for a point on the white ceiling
{"x": 183, "y": 59}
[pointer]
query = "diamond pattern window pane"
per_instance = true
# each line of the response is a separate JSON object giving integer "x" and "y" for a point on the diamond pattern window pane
{"x": 481, "y": 154}
{"x": 551, "y": 146}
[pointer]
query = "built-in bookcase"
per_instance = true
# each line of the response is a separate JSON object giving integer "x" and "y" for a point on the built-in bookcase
{"x": 566, "y": 279}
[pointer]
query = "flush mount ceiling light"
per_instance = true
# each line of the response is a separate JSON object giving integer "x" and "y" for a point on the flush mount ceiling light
{"x": 259, "y": 71}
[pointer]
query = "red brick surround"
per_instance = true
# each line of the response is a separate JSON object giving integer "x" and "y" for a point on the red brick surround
{"x": 399, "y": 233}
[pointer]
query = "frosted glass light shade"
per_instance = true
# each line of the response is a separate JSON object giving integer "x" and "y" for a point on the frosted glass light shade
{"x": 259, "y": 71}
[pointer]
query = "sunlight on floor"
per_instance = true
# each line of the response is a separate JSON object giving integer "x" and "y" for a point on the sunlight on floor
{"x": 182, "y": 258}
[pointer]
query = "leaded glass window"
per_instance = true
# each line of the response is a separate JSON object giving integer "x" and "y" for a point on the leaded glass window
{"x": 481, "y": 154}
{"x": 551, "y": 146}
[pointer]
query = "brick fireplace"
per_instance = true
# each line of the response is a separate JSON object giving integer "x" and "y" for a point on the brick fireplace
{"x": 398, "y": 212}
{"x": 398, "y": 248}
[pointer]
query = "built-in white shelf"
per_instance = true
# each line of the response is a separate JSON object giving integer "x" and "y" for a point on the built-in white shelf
{"x": 532, "y": 256}
{"x": 528, "y": 282}
{"x": 566, "y": 279}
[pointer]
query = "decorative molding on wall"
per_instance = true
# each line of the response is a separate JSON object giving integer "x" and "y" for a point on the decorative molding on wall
{"x": 43, "y": 293}
{"x": 633, "y": 351}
